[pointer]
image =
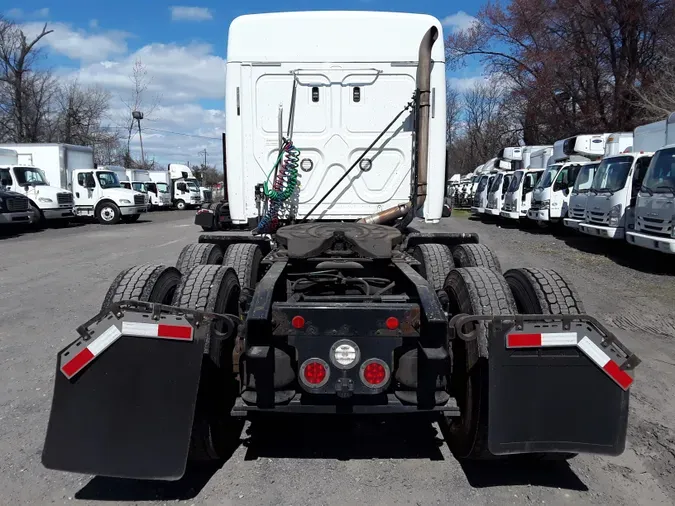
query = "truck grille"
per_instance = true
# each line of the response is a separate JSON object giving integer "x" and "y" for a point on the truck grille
{"x": 139, "y": 200}
{"x": 578, "y": 213}
{"x": 653, "y": 226}
{"x": 476, "y": 202}
{"x": 17, "y": 204}
{"x": 536, "y": 204}
{"x": 599, "y": 218}
{"x": 64, "y": 198}
{"x": 506, "y": 207}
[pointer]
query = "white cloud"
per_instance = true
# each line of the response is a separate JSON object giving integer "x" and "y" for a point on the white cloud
{"x": 463, "y": 84}
{"x": 14, "y": 13}
{"x": 182, "y": 13}
{"x": 459, "y": 21}
{"x": 17, "y": 13}
{"x": 79, "y": 45}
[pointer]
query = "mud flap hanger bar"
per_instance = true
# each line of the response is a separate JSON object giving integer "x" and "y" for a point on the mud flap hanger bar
{"x": 538, "y": 331}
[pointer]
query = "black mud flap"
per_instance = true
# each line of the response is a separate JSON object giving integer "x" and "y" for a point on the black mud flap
{"x": 557, "y": 385}
{"x": 205, "y": 218}
{"x": 124, "y": 397}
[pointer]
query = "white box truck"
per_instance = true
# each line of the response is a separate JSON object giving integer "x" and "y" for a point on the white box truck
{"x": 185, "y": 190}
{"x": 655, "y": 200}
{"x": 550, "y": 199}
{"x": 47, "y": 202}
{"x": 97, "y": 193}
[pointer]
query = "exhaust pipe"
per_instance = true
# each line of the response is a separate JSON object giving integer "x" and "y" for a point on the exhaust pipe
{"x": 423, "y": 79}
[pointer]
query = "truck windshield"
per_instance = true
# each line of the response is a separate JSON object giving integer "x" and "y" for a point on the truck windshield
{"x": 194, "y": 182}
{"x": 483, "y": 183}
{"x": 612, "y": 174}
{"x": 163, "y": 187}
{"x": 515, "y": 182}
{"x": 108, "y": 180}
{"x": 30, "y": 176}
{"x": 192, "y": 186}
{"x": 549, "y": 176}
{"x": 660, "y": 176}
{"x": 584, "y": 179}
{"x": 151, "y": 187}
{"x": 496, "y": 183}
{"x": 139, "y": 187}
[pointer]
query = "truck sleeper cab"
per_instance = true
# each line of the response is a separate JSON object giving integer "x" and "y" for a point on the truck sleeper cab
{"x": 519, "y": 194}
{"x": 655, "y": 204}
{"x": 577, "y": 206}
{"x": 497, "y": 193}
{"x": 612, "y": 196}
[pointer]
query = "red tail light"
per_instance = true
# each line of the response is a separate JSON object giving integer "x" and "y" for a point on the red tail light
{"x": 374, "y": 373}
{"x": 298, "y": 322}
{"x": 391, "y": 323}
{"x": 314, "y": 372}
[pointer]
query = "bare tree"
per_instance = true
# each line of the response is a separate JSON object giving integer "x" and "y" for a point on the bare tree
{"x": 25, "y": 94}
{"x": 658, "y": 101}
{"x": 139, "y": 99}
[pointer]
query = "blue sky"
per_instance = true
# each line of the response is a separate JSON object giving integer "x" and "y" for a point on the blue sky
{"x": 183, "y": 46}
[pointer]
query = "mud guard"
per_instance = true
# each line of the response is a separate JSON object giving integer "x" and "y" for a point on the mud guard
{"x": 557, "y": 383}
{"x": 125, "y": 395}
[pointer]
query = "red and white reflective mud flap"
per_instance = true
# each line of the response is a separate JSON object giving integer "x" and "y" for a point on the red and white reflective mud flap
{"x": 585, "y": 344}
{"x": 75, "y": 361}
{"x": 125, "y": 395}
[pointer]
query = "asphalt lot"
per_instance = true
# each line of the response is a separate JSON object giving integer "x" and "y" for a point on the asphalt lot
{"x": 54, "y": 280}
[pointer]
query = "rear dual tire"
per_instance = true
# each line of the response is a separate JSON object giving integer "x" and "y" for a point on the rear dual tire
{"x": 145, "y": 283}
{"x": 482, "y": 291}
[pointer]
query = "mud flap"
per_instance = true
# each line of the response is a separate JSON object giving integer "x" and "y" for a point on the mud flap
{"x": 124, "y": 398}
{"x": 557, "y": 385}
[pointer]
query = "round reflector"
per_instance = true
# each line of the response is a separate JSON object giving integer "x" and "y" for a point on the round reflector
{"x": 391, "y": 323}
{"x": 298, "y": 322}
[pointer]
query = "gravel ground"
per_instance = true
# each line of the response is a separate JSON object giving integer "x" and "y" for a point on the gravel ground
{"x": 52, "y": 281}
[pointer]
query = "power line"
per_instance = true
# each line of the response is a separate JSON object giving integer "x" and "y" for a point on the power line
{"x": 168, "y": 132}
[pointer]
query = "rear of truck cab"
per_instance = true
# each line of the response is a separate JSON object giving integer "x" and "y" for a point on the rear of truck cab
{"x": 346, "y": 94}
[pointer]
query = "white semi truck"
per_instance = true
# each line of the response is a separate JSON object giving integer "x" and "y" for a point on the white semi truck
{"x": 47, "y": 203}
{"x": 550, "y": 199}
{"x": 583, "y": 191}
{"x": 97, "y": 193}
{"x": 655, "y": 200}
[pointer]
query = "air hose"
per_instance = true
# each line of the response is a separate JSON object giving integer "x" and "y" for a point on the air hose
{"x": 283, "y": 187}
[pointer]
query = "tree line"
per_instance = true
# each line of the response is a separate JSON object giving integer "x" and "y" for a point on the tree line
{"x": 559, "y": 68}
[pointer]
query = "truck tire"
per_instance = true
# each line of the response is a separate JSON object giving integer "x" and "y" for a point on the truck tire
{"x": 437, "y": 262}
{"x": 107, "y": 213}
{"x": 245, "y": 259}
{"x": 477, "y": 291}
{"x": 37, "y": 221}
{"x": 213, "y": 288}
{"x": 147, "y": 283}
{"x": 475, "y": 255}
{"x": 199, "y": 254}
{"x": 543, "y": 291}
{"x": 181, "y": 205}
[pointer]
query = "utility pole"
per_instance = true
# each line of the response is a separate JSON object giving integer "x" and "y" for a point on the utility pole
{"x": 203, "y": 153}
{"x": 138, "y": 116}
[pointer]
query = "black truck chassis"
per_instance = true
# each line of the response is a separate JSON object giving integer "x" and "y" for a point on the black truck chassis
{"x": 131, "y": 392}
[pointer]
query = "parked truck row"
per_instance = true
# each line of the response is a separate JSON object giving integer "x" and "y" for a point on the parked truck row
{"x": 47, "y": 183}
{"x": 618, "y": 186}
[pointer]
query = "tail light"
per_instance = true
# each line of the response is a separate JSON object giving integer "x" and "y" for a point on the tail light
{"x": 314, "y": 373}
{"x": 375, "y": 373}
